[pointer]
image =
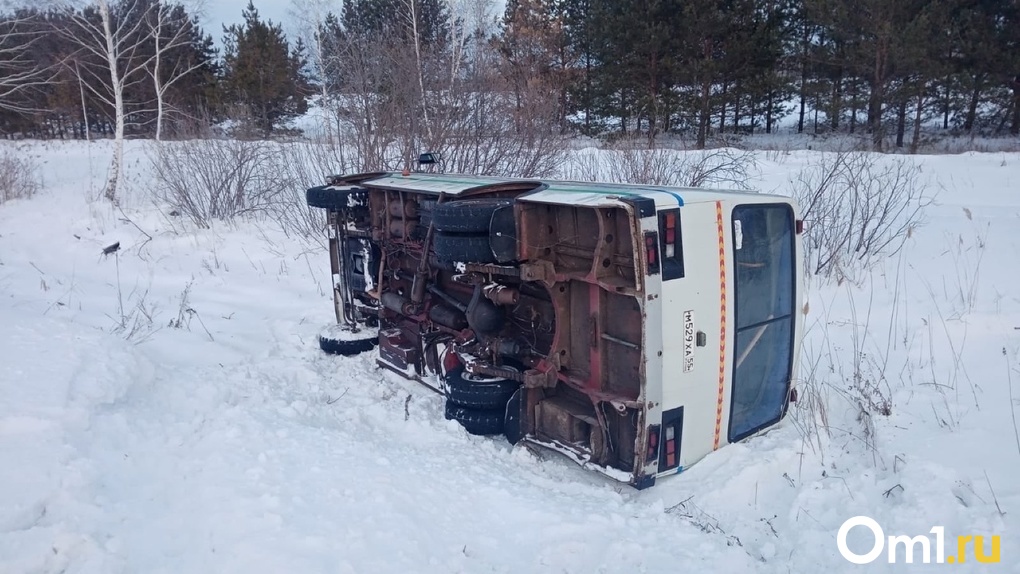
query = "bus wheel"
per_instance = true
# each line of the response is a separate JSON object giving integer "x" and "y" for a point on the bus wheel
{"x": 477, "y": 421}
{"x": 341, "y": 340}
{"x": 464, "y": 389}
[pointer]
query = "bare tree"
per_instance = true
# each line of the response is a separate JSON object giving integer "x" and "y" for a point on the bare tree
{"x": 18, "y": 73}
{"x": 165, "y": 74}
{"x": 364, "y": 113}
{"x": 309, "y": 15}
{"x": 114, "y": 39}
{"x": 481, "y": 126}
{"x": 413, "y": 23}
{"x": 421, "y": 85}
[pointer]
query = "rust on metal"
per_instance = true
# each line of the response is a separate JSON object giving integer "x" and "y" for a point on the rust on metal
{"x": 334, "y": 262}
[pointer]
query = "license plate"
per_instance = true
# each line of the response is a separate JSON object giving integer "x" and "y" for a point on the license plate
{"x": 688, "y": 340}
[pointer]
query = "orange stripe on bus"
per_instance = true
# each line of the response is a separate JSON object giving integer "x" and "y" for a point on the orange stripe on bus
{"x": 722, "y": 323}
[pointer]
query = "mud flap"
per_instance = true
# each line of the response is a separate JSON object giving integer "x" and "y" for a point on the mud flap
{"x": 513, "y": 427}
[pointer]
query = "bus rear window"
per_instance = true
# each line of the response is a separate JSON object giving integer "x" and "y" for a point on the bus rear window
{"x": 764, "y": 289}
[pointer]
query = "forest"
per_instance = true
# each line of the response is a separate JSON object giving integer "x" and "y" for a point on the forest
{"x": 418, "y": 74}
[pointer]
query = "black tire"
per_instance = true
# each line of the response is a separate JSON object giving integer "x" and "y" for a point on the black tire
{"x": 480, "y": 422}
{"x": 349, "y": 346}
{"x": 464, "y": 389}
{"x": 327, "y": 198}
{"x": 466, "y": 215}
{"x": 466, "y": 248}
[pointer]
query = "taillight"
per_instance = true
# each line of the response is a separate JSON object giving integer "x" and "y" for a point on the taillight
{"x": 652, "y": 252}
{"x": 671, "y": 254}
{"x": 672, "y": 432}
{"x": 652, "y": 453}
{"x": 799, "y": 224}
{"x": 671, "y": 449}
{"x": 670, "y": 233}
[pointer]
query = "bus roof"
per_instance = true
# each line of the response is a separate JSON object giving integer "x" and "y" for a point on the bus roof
{"x": 594, "y": 194}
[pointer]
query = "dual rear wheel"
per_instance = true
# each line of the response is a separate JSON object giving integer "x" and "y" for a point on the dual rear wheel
{"x": 478, "y": 402}
{"x": 463, "y": 229}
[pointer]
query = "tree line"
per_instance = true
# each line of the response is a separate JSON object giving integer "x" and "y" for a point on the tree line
{"x": 707, "y": 67}
{"x": 417, "y": 74}
{"x": 145, "y": 68}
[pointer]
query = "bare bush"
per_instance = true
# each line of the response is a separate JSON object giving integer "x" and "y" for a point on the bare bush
{"x": 843, "y": 384}
{"x": 212, "y": 179}
{"x": 409, "y": 87}
{"x": 134, "y": 321}
{"x": 369, "y": 114}
{"x": 17, "y": 176}
{"x": 715, "y": 168}
{"x": 858, "y": 207}
{"x": 185, "y": 312}
{"x": 302, "y": 165}
{"x": 493, "y": 139}
{"x": 217, "y": 179}
{"x": 500, "y": 119}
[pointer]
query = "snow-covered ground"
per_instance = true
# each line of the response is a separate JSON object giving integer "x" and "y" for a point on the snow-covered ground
{"x": 166, "y": 409}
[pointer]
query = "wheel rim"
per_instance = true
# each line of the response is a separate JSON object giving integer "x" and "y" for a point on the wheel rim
{"x": 474, "y": 378}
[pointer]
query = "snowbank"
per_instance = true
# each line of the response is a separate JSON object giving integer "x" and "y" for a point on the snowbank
{"x": 231, "y": 444}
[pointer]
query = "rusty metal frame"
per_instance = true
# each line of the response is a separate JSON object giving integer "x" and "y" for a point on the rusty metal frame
{"x": 335, "y": 267}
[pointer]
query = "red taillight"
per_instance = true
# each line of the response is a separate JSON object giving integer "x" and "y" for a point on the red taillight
{"x": 669, "y": 234}
{"x": 652, "y": 453}
{"x": 672, "y": 433}
{"x": 670, "y": 447}
{"x": 800, "y": 226}
{"x": 653, "y": 251}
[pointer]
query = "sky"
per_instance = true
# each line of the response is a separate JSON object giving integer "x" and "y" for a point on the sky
{"x": 220, "y": 12}
{"x": 217, "y": 13}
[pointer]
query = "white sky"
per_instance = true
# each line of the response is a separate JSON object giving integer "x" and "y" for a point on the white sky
{"x": 217, "y": 13}
{"x": 220, "y": 12}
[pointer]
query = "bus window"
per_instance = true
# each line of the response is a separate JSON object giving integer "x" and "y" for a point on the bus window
{"x": 763, "y": 284}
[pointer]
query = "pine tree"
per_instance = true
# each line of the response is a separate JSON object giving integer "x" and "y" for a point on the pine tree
{"x": 579, "y": 42}
{"x": 262, "y": 73}
{"x": 630, "y": 61}
{"x": 534, "y": 58}
{"x": 390, "y": 18}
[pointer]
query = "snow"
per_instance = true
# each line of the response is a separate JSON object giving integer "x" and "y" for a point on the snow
{"x": 232, "y": 444}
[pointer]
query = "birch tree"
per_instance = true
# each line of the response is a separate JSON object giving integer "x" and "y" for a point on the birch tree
{"x": 310, "y": 16}
{"x": 170, "y": 30}
{"x": 114, "y": 37}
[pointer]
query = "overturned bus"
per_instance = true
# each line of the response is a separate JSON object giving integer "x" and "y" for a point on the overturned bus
{"x": 635, "y": 329}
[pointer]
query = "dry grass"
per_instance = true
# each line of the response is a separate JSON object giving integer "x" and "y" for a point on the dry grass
{"x": 18, "y": 176}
